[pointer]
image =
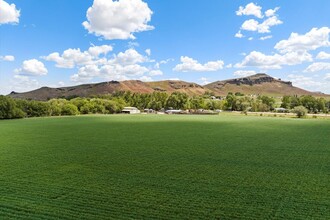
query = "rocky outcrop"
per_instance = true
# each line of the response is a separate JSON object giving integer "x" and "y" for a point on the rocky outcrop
{"x": 253, "y": 80}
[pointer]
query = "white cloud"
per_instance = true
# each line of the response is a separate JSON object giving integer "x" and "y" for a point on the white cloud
{"x": 8, "y": 13}
{"x": 155, "y": 73}
{"x": 204, "y": 81}
{"x": 266, "y": 37}
{"x": 146, "y": 78}
{"x": 69, "y": 58}
{"x": 244, "y": 73}
{"x": 239, "y": 34}
{"x": 250, "y": 38}
{"x": 318, "y": 66}
{"x": 268, "y": 23}
{"x": 228, "y": 66}
{"x": 130, "y": 56}
{"x": 61, "y": 83}
{"x": 133, "y": 44}
{"x": 118, "y": 19}
{"x": 327, "y": 76}
{"x": 305, "y": 82}
{"x": 323, "y": 56}
{"x": 276, "y": 61}
{"x": 173, "y": 79}
{"x": 96, "y": 51}
{"x": 148, "y": 52}
{"x": 23, "y": 83}
{"x": 7, "y": 58}
{"x": 250, "y": 25}
{"x": 122, "y": 66}
{"x": 32, "y": 67}
{"x": 72, "y": 57}
{"x": 312, "y": 40}
{"x": 264, "y": 27}
{"x": 250, "y": 9}
{"x": 271, "y": 12}
{"x": 190, "y": 65}
{"x": 157, "y": 64}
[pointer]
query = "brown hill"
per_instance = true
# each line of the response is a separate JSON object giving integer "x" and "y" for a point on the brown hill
{"x": 171, "y": 86}
{"x": 259, "y": 84}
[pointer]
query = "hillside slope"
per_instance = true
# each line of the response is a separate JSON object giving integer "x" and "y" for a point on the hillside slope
{"x": 259, "y": 84}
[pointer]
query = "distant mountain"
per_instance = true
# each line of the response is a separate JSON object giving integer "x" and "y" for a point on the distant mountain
{"x": 259, "y": 84}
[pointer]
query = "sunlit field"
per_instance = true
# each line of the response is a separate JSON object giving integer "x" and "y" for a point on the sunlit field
{"x": 165, "y": 167}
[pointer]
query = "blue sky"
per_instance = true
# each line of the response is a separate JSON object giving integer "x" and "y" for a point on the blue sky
{"x": 63, "y": 43}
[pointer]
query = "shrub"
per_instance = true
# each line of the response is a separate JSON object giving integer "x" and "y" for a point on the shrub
{"x": 300, "y": 111}
{"x": 9, "y": 109}
{"x": 70, "y": 109}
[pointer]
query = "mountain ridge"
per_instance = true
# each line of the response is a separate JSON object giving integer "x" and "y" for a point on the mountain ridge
{"x": 258, "y": 84}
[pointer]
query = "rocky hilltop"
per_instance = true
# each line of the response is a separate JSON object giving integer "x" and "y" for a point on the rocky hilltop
{"x": 259, "y": 78}
{"x": 259, "y": 84}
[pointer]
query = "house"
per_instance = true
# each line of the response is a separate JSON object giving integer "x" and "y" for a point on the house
{"x": 130, "y": 110}
{"x": 281, "y": 110}
{"x": 173, "y": 111}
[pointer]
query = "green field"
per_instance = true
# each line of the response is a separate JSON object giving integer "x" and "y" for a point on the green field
{"x": 165, "y": 167}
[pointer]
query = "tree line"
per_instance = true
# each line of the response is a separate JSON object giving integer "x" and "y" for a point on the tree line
{"x": 114, "y": 103}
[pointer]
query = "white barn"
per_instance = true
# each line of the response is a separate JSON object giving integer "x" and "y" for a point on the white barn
{"x": 130, "y": 110}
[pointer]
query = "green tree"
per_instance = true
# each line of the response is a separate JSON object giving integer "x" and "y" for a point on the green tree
{"x": 300, "y": 111}
{"x": 9, "y": 109}
{"x": 69, "y": 109}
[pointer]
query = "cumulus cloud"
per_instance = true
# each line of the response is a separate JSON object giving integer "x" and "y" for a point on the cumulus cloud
{"x": 155, "y": 73}
{"x": 109, "y": 72}
{"x": 264, "y": 27}
{"x": 239, "y": 34}
{"x": 318, "y": 66}
{"x": 146, "y": 79}
{"x": 190, "y": 65}
{"x": 276, "y": 61}
{"x": 69, "y": 58}
{"x": 305, "y": 82}
{"x": 118, "y": 19}
{"x": 250, "y": 9}
{"x": 72, "y": 57}
{"x": 315, "y": 38}
{"x": 96, "y": 51}
{"x": 130, "y": 56}
{"x": 122, "y": 66}
{"x": 271, "y": 12}
{"x": 204, "y": 81}
{"x": 32, "y": 67}
{"x": 148, "y": 52}
{"x": 21, "y": 83}
{"x": 323, "y": 56}
{"x": 244, "y": 73}
{"x": 8, "y": 13}
{"x": 7, "y": 58}
{"x": 266, "y": 37}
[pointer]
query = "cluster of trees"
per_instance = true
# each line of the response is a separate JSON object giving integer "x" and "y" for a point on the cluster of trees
{"x": 114, "y": 103}
{"x": 18, "y": 108}
{"x": 161, "y": 100}
{"x": 239, "y": 102}
{"x": 312, "y": 104}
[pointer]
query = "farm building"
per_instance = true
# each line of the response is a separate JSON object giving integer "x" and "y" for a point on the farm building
{"x": 173, "y": 111}
{"x": 130, "y": 110}
{"x": 281, "y": 110}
